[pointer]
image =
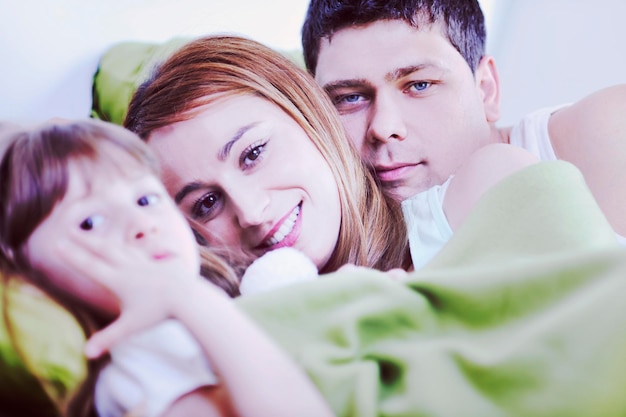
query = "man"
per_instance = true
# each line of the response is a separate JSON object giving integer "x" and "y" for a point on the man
{"x": 418, "y": 95}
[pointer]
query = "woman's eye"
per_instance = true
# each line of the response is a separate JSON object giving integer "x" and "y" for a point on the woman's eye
{"x": 148, "y": 200}
{"x": 251, "y": 155}
{"x": 205, "y": 205}
{"x": 254, "y": 153}
{"x": 91, "y": 222}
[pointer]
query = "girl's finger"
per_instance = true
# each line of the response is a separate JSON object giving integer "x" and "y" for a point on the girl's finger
{"x": 102, "y": 341}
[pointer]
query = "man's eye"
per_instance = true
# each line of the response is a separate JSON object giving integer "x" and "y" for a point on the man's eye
{"x": 91, "y": 222}
{"x": 420, "y": 85}
{"x": 347, "y": 99}
{"x": 205, "y": 205}
{"x": 148, "y": 200}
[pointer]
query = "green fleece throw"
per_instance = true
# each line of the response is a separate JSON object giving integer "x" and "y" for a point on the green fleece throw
{"x": 521, "y": 314}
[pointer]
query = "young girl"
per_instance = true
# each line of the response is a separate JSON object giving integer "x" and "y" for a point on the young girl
{"x": 77, "y": 192}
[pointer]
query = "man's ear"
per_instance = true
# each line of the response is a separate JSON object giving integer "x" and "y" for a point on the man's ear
{"x": 488, "y": 83}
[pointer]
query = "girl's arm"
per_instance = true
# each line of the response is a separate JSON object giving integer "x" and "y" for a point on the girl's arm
{"x": 257, "y": 377}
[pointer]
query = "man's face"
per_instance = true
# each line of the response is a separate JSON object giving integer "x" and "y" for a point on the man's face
{"x": 408, "y": 100}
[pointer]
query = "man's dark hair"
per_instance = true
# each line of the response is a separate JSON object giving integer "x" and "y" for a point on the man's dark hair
{"x": 462, "y": 22}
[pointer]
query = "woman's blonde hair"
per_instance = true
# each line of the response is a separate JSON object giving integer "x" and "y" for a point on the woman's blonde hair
{"x": 34, "y": 177}
{"x": 372, "y": 229}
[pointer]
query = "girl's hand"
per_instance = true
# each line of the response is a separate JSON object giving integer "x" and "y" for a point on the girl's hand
{"x": 147, "y": 289}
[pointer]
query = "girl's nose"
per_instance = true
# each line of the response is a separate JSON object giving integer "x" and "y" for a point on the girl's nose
{"x": 142, "y": 225}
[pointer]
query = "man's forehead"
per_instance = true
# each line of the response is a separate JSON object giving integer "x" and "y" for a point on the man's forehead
{"x": 359, "y": 52}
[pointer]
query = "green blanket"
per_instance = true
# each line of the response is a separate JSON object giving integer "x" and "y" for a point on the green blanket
{"x": 521, "y": 314}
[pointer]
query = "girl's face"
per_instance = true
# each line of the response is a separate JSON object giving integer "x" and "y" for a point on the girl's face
{"x": 251, "y": 178}
{"x": 119, "y": 210}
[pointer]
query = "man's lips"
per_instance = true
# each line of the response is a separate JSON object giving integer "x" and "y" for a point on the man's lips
{"x": 395, "y": 172}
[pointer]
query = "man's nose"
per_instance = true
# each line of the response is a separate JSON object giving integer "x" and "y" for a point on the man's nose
{"x": 386, "y": 121}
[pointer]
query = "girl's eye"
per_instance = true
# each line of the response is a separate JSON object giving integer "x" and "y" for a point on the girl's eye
{"x": 148, "y": 200}
{"x": 205, "y": 205}
{"x": 91, "y": 222}
{"x": 250, "y": 156}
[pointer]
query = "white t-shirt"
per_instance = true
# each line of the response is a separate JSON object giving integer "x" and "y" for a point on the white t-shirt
{"x": 150, "y": 370}
{"x": 426, "y": 223}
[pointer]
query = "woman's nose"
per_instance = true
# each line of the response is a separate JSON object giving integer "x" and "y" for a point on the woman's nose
{"x": 250, "y": 205}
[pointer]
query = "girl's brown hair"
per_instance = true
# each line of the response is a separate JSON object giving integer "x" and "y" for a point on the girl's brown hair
{"x": 372, "y": 229}
{"x": 33, "y": 179}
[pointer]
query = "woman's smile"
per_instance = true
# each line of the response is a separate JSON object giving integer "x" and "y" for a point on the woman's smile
{"x": 286, "y": 232}
{"x": 245, "y": 172}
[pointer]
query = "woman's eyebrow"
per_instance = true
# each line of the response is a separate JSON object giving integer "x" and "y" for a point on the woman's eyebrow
{"x": 187, "y": 189}
{"x": 225, "y": 150}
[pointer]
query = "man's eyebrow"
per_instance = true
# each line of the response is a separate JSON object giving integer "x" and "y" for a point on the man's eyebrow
{"x": 398, "y": 73}
{"x": 354, "y": 83}
{"x": 225, "y": 150}
{"x": 392, "y": 75}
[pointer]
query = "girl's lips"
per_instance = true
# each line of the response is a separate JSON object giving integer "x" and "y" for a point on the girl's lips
{"x": 159, "y": 256}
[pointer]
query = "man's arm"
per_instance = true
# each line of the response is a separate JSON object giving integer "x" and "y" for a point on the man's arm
{"x": 591, "y": 134}
{"x": 482, "y": 170}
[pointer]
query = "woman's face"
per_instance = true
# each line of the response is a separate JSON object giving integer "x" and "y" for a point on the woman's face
{"x": 251, "y": 178}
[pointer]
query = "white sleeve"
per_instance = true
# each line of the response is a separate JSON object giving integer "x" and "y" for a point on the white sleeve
{"x": 150, "y": 370}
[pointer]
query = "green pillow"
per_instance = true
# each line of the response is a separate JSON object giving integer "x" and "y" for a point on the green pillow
{"x": 47, "y": 364}
{"x": 124, "y": 66}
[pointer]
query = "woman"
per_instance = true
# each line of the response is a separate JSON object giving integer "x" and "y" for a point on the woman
{"x": 253, "y": 153}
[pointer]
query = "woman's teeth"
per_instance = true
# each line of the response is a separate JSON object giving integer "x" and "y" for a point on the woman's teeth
{"x": 284, "y": 228}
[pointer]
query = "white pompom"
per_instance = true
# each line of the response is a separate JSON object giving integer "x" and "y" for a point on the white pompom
{"x": 275, "y": 269}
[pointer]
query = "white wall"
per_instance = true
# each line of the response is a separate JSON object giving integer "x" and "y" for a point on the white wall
{"x": 49, "y": 49}
{"x": 548, "y": 51}
{"x": 555, "y": 51}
